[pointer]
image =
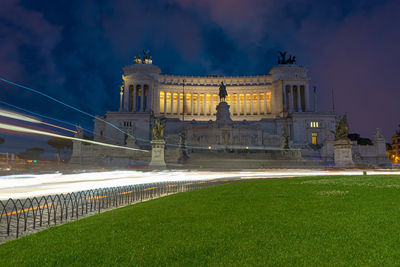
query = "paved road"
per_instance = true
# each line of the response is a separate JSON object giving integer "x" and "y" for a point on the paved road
{"x": 30, "y": 185}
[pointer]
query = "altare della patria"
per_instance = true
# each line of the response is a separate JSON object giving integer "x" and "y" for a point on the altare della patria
{"x": 222, "y": 121}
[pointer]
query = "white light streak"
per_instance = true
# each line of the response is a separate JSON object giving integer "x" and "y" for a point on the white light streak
{"x": 30, "y": 185}
{"x": 27, "y": 130}
{"x": 17, "y": 116}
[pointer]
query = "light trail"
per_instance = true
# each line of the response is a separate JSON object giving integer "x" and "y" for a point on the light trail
{"x": 17, "y": 116}
{"x": 54, "y": 119}
{"x": 64, "y": 104}
{"x": 27, "y": 130}
{"x": 31, "y": 185}
{"x": 59, "y": 127}
{"x": 43, "y": 116}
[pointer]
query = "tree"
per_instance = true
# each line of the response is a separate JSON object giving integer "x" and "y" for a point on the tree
{"x": 61, "y": 145}
{"x": 31, "y": 153}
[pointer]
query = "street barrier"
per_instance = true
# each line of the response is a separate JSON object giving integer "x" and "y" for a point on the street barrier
{"x": 23, "y": 216}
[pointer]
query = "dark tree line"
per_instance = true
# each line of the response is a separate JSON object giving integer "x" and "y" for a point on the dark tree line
{"x": 62, "y": 145}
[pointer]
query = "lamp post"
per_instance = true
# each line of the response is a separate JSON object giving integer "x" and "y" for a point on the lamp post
{"x": 182, "y": 140}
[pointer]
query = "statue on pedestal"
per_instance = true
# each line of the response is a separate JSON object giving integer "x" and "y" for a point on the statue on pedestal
{"x": 158, "y": 128}
{"x": 222, "y": 92}
{"x": 343, "y": 154}
{"x": 158, "y": 143}
{"x": 342, "y": 129}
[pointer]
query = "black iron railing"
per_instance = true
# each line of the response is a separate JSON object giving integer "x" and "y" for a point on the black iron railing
{"x": 19, "y": 217}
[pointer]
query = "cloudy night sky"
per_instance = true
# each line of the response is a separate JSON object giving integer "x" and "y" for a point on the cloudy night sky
{"x": 75, "y": 50}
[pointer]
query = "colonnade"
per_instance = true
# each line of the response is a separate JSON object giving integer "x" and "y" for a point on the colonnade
{"x": 295, "y": 98}
{"x": 203, "y": 104}
{"x": 137, "y": 98}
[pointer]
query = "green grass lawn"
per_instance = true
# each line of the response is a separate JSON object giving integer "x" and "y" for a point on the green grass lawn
{"x": 314, "y": 221}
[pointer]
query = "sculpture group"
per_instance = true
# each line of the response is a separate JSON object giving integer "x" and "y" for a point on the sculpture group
{"x": 282, "y": 59}
{"x": 158, "y": 127}
{"x": 146, "y": 59}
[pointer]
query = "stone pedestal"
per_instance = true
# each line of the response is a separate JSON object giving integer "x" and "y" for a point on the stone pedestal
{"x": 223, "y": 114}
{"x": 157, "y": 153}
{"x": 342, "y": 153}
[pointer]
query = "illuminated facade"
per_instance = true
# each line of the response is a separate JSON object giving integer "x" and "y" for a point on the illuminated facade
{"x": 250, "y": 97}
{"x": 260, "y": 108}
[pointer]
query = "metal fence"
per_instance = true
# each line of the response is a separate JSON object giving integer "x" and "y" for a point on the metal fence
{"x": 19, "y": 217}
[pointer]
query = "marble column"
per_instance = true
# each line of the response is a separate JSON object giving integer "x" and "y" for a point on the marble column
{"x": 299, "y": 109}
{"x": 211, "y": 103}
{"x": 251, "y": 104}
{"x": 121, "y": 95}
{"x": 191, "y": 103}
{"x": 205, "y": 104}
{"x": 172, "y": 102}
{"x": 149, "y": 96}
{"x": 165, "y": 102}
{"x": 142, "y": 99}
{"x": 306, "y": 97}
{"x": 265, "y": 103}
{"x": 184, "y": 108}
{"x": 285, "y": 100}
{"x": 178, "y": 109}
{"x": 198, "y": 104}
{"x": 133, "y": 98}
{"x": 245, "y": 103}
{"x": 291, "y": 100}
{"x": 238, "y": 103}
{"x": 258, "y": 103}
{"x": 126, "y": 98}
